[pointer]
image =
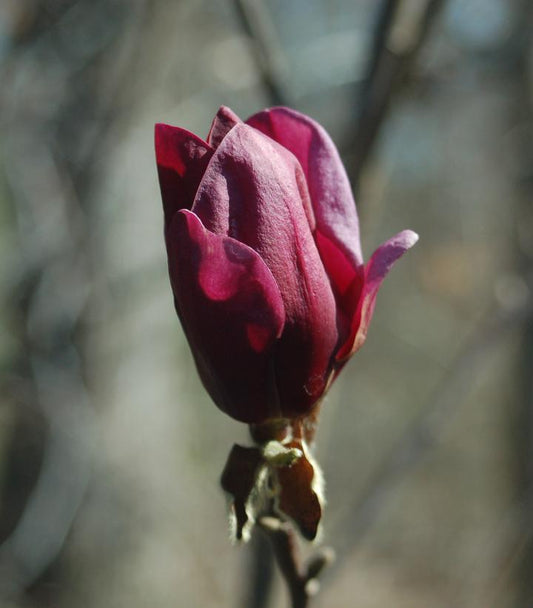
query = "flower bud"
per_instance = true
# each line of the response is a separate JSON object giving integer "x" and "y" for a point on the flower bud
{"x": 265, "y": 261}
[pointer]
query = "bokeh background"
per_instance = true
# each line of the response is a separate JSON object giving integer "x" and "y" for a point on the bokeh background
{"x": 110, "y": 450}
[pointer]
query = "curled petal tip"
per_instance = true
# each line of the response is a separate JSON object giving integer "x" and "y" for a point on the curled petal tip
{"x": 225, "y": 111}
{"x": 181, "y": 161}
{"x": 222, "y": 124}
{"x": 376, "y": 269}
{"x": 387, "y": 254}
{"x": 408, "y": 238}
{"x": 161, "y": 132}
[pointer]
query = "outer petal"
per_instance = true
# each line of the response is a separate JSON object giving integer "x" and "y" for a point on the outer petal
{"x": 222, "y": 124}
{"x": 232, "y": 313}
{"x": 375, "y": 271}
{"x": 329, "y": 187}
{"x": 181, "y": 161}
{"x": 337, "y": 224}
{"x": 254, "y": 191}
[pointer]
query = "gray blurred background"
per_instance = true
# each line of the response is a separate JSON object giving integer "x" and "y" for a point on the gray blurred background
{"x": 111, "y": 451}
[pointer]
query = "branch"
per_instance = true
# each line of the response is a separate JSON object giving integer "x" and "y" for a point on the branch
{"x": 257, "y": 23}
{"x": 51, "y": 279}
{"x": 384, "y": 22}
{"x": 423, "y": 432}
{"x": 302, "y": 580}
{"x": 398, "y": 39}
{"x": 518, "y": 73}
{"x": 261, "y": 575}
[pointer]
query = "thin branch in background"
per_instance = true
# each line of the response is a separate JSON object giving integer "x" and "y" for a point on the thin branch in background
{"x": 51, "y": 203}
{"x": 400, "y": 34}
{"x": 256, "y": 21}
{"x": 386, "y": 15}
{"x": 507, "y": 543}
{"x": 525, "y": 432}
{"x": 518, "y": 71}
{"x": 423, "y": 432}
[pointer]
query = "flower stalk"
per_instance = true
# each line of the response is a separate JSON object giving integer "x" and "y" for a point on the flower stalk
{"x": 302, "y": 579}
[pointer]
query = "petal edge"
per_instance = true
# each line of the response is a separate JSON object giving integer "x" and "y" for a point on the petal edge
{"x": 329, "y": 187}
{"x": 225, "y": 119}
{"x": 182, "y": 158}
{"x": 376, "y": 269}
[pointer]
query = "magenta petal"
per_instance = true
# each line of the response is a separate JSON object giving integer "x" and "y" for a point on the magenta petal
{"x": 181, "y": 161}
{"x": 249, "y": 187}
{"x": 329, "y": 187}
{"x": 232, "y": 313}
{"x": 254, "y": 191}
{"x": 337, "y": 225}
{"x": 375, "y": 271}
{"x": 222, "y": 124}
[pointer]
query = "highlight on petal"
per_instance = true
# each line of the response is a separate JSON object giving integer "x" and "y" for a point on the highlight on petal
{"x": 222, "y": 124}
{"x": 181, "y": 161}
{"x": 232, "y": 313}
{"x": 375, "y": 271}
{"x": 329, "y": 187}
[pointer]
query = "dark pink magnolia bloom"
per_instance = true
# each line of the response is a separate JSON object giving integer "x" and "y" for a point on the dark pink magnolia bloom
{"x": 264, "y": 259}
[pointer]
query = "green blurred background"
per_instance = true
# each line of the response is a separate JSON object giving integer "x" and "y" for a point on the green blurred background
{"x": 111, "y": 451}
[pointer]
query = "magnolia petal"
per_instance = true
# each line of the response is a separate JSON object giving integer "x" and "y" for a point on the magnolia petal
{"x": 375, "y": 271}
{"x": 329, "y": 187}
{"x": 232, "y": 313}
{"x": 249, "y": 181}
{"x": 252, "y": 191}
{"x": 222, "y": 124}
{"x": 337, "y": 224}
{"x": 181, "y": 161}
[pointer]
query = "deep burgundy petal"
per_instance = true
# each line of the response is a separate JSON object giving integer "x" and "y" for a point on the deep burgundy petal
{"x": 222, "y": 124}
{"x": 254, "y": 191}
{"x": 232, "y": 313}
{"x": 337, "y": 224}
{"x": 376, "y": 270}
{"x": 181, "y": 161}
{"x": 329, "y": 187}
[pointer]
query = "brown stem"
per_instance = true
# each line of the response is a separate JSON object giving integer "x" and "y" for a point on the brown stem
{"x": 261, "y": 564}
{"x": 302, "y": 580}
{"x": 284, "y": 545}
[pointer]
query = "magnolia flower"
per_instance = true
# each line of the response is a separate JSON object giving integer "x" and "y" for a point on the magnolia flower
{"x": 265, "y": 259}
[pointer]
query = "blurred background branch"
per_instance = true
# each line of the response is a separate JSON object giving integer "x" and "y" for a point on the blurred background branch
{"x": 267, "y": 50}
{"x": 400, "y": 31}
{"x": 52, "y": 142}
{"x": 519, "y": 66}
{"x": 432, "y": 419}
